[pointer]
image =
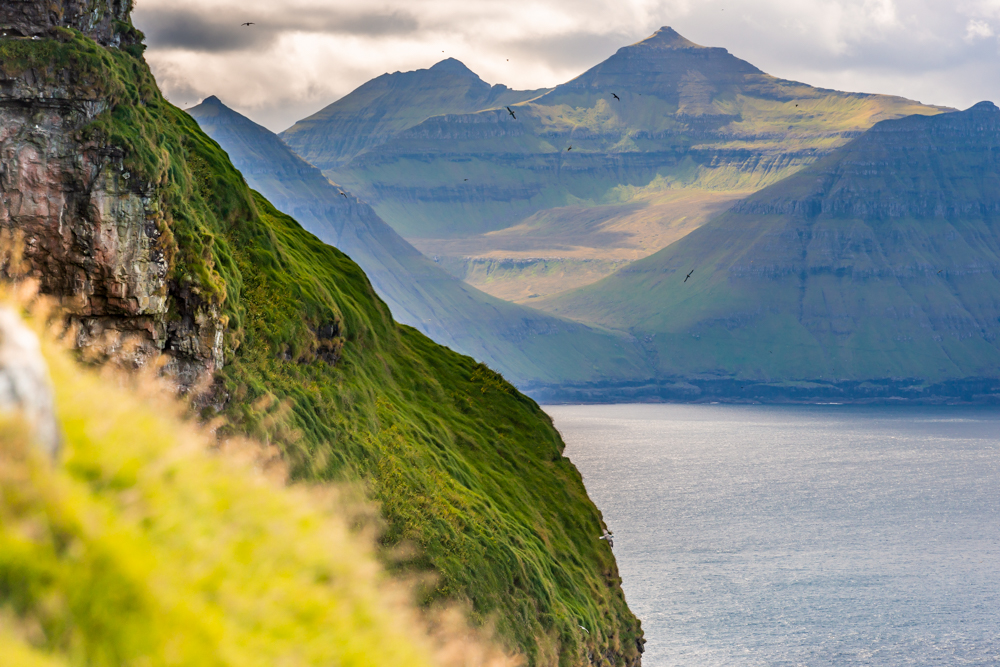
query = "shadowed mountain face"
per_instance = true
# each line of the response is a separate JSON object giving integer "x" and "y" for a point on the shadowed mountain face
{"x": 661, "y": 116}
{"x": 525, "y": 345}
{"x": 390, "y": 104}
{"x": 879, "y": 264}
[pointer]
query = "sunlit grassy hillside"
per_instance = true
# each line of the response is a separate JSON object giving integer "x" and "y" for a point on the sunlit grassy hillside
{"x": 464, "y": 467}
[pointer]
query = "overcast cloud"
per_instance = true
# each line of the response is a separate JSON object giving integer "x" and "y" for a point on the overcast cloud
{"x": 304, "y": 54}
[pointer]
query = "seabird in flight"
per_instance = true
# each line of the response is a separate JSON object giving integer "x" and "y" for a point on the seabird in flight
{"x": 689, "y": 275}
{"x": 343, "y": 195}
{"x": 616, "y": 97}
{"x": 608, "y": 535}
{"x": 247, "y": 25}
{"x": 569, "y": 149}
{"x": 511, "y": 113}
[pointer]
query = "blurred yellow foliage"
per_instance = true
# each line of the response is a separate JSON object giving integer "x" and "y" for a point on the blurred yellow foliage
{"x": 149, "y": 543}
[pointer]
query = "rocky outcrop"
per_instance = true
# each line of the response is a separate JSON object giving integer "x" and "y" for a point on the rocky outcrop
{"x": 24, "y": 382}
{"x": 92, "y": 230}
{"x": 105, "y": 21}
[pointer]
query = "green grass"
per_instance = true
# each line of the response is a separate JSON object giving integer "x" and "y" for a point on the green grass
{"x": 143, "y": 545}
{"x": 466, "y": 468}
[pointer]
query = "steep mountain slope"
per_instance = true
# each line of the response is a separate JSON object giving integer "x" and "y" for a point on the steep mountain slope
{"x": 876, "y": 271}
{"x": 464, "y": 467}
{"x": 688, "y": 119}
{"x": 390, "y": 104}
{"x": 527, "y": 346}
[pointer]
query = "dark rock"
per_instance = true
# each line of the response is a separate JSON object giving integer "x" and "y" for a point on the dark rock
{"x": 105, "y": 21}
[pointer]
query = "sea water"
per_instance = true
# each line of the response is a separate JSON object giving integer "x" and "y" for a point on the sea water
{"x": 813, "y": 535}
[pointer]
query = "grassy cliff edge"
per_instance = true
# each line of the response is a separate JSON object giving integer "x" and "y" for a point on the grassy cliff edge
{"x": 464, "y": 466}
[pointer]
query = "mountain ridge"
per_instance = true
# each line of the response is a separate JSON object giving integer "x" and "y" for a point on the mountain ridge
{"x": 688, "y": 120}
{"x": 393, "y": 103}
{"x": 876, "y": 265}
{"x": 527, "y": 346}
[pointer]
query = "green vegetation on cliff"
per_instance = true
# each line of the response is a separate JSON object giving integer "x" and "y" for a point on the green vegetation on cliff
{"x": 144, "y": 544}
{"x": 465, "y": 467}
{"x": 527, "y": 346}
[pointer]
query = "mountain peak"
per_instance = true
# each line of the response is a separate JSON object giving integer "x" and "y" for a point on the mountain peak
{"x": 668, "y": 38}
{"x": 453, "y": 66}
{"x": 213, "y": 101}
{"x": 985, "y": 106}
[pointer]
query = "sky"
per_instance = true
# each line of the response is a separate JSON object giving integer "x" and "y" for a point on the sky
{"x": 302, "y": 55}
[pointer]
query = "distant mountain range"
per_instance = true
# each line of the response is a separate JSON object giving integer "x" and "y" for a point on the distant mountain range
{"x": 527, "y": 346}
{"x": 825, "y": 245}
{"x": 873, "y": 273}
{"x": 605, "y": 169}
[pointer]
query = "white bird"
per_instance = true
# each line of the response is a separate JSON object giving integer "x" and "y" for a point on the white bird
{"x": 608, "y": 535}
{"x": 585, "y": 629}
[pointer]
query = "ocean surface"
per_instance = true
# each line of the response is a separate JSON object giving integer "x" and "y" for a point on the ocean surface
{"x": 807, "y": 535}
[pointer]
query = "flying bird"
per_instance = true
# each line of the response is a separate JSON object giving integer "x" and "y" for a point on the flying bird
{"x": 616, "y": 97}
{"x": 343, "y": 195}
{"x": 511, "y": 113}
{"x": 939, "y": 272}
{"x": 588, "y": 631}
{"x": 569, "y": 149}
{"x": 247, "y": 25}
{"x": 689, "y": 275}
{"x": 608, "y": 535}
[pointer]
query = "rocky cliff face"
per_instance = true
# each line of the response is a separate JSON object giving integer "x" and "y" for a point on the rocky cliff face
{"x": 92, "y": 230}
{"x": 101, "y": 20}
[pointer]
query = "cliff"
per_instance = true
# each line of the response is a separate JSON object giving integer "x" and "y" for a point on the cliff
{"x": 94, "y": 217}
{"x": 872, "y": 274}
{"x": 141, "y": 226}
{"x": 105, "y": 21}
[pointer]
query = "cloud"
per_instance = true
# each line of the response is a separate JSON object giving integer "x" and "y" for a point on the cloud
{"x": 189, "y": 28}
{"x": 304, "y": 54}
{"x": 977, "y": 30}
